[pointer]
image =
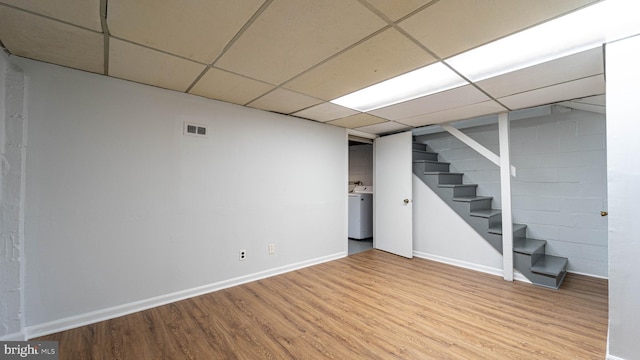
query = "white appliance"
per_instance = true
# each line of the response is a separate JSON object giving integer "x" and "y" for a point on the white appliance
{"x": 361, "y": 212}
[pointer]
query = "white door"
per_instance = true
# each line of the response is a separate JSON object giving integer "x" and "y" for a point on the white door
{"x": 392, "y": 183}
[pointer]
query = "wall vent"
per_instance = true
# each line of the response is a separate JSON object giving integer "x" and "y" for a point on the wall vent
{"x": 195, "y": 129}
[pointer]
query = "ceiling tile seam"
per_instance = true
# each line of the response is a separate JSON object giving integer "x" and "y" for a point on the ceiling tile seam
{"x": 105, "y": 31}
{"x": 552, "y": 85}
{"x": 158, "y": 50}
{"x": 242, "y": 30}
{"x": 374, "y": 10}
{"x": 235, "y": 38}
{"x": 443, "y": 61}
{"x": 49, "y": 18}
{"x": 322, "y": 62}
{"x": 279, "y": 87}
{"x": 448, "y": 108}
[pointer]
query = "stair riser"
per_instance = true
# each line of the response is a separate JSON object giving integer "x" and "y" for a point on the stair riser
{"x": 448, "y": 179}
{"x": 417, "y": 146}
{"x": 480, "y": 205}
{"x": 495, "y": 220}
{"x": 417, "y": 155}
{"x": 464, "y": 191}
{"x": 436, "y": 167}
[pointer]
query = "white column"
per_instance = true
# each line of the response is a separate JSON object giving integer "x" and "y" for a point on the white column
{"x": 505, "y": 192}
{"x": 623, "y": 177}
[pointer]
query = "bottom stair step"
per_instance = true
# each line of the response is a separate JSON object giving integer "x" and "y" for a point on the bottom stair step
{"x": 550, "y": 265}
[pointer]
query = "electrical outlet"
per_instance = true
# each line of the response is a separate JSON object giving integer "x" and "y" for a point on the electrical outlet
{"x": 272, "y": 249}
{"x": 243, "y": 255}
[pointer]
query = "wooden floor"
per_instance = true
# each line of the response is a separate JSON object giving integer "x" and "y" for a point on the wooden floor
{"x": 372, "y": 305}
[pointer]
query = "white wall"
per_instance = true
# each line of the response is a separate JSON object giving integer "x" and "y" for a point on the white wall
{"x": 623, "y": 127}
{"x": 123, "y": 211}
{"x": 440, "y": 234}
{"x": 561, "y": 184}
{"x": 11, "y": 200}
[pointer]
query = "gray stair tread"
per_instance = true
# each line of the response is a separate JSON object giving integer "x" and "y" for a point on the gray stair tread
{"x": 527, "y": 246}
{"x": 431, "y": 162}
{"x": 457, "y": 185}
{"x": 550, "y": 265}
{"x": 419, "y": 146}
{"x": 425, "y": 152}
{"x": 498, "y": 228}
{"x": 441, "y": 173}
{"x": 472, "y": 198}
{"x": 485, "y": 213}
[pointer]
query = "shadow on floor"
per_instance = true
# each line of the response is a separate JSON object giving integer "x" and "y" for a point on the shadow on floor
{"x": 357, "y": 246}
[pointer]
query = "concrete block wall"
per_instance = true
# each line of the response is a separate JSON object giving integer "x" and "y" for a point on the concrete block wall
{"x": 561, "y": 184}
{"x": 12, "y": 201}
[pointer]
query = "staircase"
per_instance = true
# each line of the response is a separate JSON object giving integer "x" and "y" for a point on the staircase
{"x": 529, "y": 254}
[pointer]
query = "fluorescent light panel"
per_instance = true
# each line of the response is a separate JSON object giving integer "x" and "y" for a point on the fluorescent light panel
{"x": 590, "y": 27}
{"x": 584, "y": 29}
{"x": 428, "y": 80}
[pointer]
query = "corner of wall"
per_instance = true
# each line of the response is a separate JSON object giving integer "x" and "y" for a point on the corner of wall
{"x": 12, "y": 158}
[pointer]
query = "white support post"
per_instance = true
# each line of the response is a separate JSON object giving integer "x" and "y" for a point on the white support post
{"x": 505, "y": 191}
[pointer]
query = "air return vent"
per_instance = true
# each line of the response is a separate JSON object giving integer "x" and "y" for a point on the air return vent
{"x": 195, "y": 129}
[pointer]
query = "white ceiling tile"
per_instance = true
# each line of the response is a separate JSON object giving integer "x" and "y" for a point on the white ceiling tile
{"x": 43, "y": 39}
{"x": 461, "y": 96}
{"x": 461, "y": 113}
{"x": 453, "y": 26}
{"x": 566, "y": 91}
{"x": 292, "y": 35}
{"x": 325, "y": 112}
{"x": 383, "y": 128}
{"x": 581, "y": 65}
{"x": 136, "y": 63}
{"x": 198, "y": 30}
{"x": 85, "y": 13}
{"x": 357, "y": 121}
{"x": 396, "y": 9}
{"x": 284, "y": 101}
{"x": 384, "y": 56}
{"x": 221, "y": 85}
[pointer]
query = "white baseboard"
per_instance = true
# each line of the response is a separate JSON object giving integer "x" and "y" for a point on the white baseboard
{"x": 125, "y": 309}
{"x": 611, "y": 357}
{"x": 21, "y": 336}
{"x": 471, "y": 266}
{"x": 590, "y": 275}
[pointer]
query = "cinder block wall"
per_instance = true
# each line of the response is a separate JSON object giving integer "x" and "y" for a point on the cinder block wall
{"x": 561, "y": 182}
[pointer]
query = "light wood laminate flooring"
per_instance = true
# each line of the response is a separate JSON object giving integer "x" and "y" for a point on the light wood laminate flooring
{"x": 372, "y": 305}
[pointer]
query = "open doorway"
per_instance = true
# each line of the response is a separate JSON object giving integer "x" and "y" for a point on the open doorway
{"x": 360, "y": 195}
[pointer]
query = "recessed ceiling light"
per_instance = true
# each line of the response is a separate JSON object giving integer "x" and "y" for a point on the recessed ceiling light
{"x": 587, "y": 28}
{"x": 428, "y": 80}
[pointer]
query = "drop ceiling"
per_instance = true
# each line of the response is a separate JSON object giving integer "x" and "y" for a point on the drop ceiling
{"x": 294, "y": 56}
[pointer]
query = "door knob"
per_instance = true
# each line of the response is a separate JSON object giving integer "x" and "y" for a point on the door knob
{"x": 406, "y": 201}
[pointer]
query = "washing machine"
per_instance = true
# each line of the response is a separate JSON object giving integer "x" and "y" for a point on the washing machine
{"x": 361, "y": 212}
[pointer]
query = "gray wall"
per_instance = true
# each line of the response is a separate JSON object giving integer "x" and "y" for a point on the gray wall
{"x": 124, "y": 212}
{"x": 361, "y": 163}
{"x": 12, "y": 200}
{"x": 560, "y": 187}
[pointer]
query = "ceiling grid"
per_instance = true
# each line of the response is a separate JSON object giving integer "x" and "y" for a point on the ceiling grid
{"x": 295, "y": 56}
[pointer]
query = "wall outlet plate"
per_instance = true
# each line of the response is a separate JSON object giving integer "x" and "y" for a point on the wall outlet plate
{"x": 243, "y": 255}
{"x": 272, "y": 249}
